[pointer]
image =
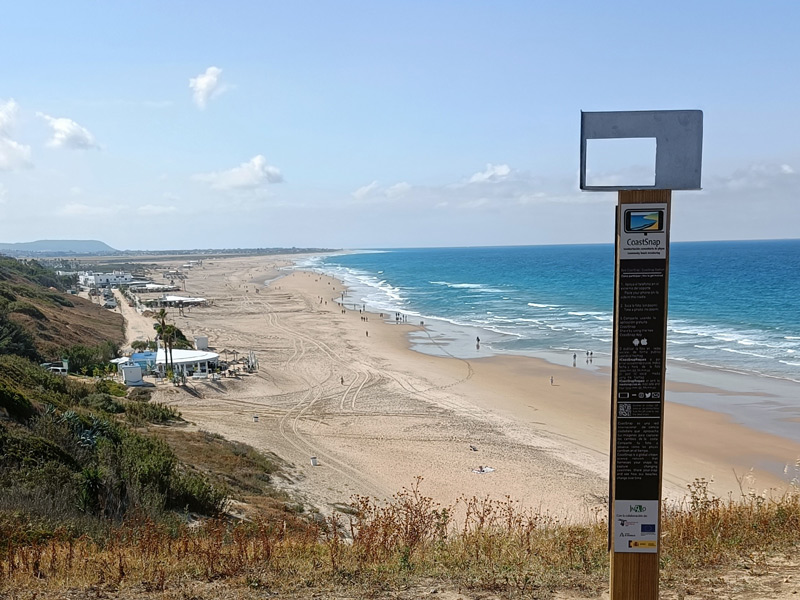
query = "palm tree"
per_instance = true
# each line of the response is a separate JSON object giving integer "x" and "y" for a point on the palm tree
{"x": 165, "y": 334}
{"x": 170, "y": 333}
{"x": 161, "y": 317}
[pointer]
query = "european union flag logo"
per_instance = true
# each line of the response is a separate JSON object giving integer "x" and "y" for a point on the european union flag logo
{"x": 651, "y": 528}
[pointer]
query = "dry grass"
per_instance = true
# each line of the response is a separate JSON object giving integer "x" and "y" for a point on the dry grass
{"x": 498, "y": 547}
{"x": 246, "y": 473}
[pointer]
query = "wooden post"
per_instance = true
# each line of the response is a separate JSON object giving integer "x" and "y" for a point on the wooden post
{"x": 637, "y": 403}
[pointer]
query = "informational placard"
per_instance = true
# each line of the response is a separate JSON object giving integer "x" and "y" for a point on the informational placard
{"x": 635, "y": 526}
{"x": 641, "y": 308}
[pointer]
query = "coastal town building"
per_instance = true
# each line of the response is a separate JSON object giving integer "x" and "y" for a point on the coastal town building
{"x": 90, "y": 279}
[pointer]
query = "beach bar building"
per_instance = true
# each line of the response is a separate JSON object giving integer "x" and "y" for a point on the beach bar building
{"x": 173, "y": 301}
{"x": 187, "y": 362}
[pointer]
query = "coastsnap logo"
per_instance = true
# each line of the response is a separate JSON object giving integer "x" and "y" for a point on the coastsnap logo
{"x": 643, "y": 221}
{"x": 644, "y": 242}
{"x": 637, "y": 508}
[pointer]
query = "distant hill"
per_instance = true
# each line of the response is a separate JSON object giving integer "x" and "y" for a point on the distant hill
{"x": 57, "y": 247}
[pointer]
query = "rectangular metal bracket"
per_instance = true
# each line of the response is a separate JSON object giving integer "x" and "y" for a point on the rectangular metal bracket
{"x": 679, "y": 144}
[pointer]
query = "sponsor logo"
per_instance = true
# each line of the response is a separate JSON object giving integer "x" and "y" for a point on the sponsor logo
{"x": 641, "y": 544}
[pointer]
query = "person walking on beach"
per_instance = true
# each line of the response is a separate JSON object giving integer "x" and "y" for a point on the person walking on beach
{"x": 551, "y": 380}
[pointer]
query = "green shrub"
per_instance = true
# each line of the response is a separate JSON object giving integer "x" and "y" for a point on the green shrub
{"x": 61, "y": 300}
{"x": 65, "y": 463}
{"x": 191, "y": 491}
{"x": 27, "y": 452}
{"x": 17, "y": 406}
{"x": 25, "y": 308}
{"x": 6, "y": 293}
{"x": 143, "y": 412}
{"x": 104, "y": 402}
{"x": 89, "y": 357}
{"x": 114, "y": 388}
{"x": 14, "y": 339}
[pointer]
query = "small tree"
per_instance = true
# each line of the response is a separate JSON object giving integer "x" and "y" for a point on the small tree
{"x": 164, "y": 334}
{"x": 171, "y": 333}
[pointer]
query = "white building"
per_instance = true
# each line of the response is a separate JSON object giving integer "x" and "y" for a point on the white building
{"x": 91, "y": 279}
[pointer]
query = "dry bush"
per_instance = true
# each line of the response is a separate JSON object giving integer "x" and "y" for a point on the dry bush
{"x": 497, "y": 546}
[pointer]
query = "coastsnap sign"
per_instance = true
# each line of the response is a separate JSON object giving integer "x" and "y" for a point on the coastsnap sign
{"x": 640, "y": 332}
{"x": 643, "y": 233}
{"x": 638, "y": 381}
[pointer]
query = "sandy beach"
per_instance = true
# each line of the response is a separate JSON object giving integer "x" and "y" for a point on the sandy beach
{"x": 347, "y": 389}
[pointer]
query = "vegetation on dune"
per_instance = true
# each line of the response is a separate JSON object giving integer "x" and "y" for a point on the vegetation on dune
{"x": 67, "y": 458}
{"x": 497, "y": 547}
{"x": 39, "y": 321}
{"x": 15, "y": 339}
{"x": 85, "y": 359}
{"x": 31, "y": 270}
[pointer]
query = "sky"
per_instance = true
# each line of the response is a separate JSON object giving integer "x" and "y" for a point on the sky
{"x": 360, "y": 124}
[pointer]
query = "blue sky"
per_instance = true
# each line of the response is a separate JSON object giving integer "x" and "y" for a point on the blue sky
{"x": 364, "y": 124}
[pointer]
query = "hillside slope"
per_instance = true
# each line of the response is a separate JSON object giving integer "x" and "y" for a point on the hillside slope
{"x": 36, "y": 313}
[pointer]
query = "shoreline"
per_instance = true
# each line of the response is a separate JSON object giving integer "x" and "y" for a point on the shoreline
{"x": 397, "y": 413}
{"x": 721, "y": 391}
{"x": 363, "y": 285}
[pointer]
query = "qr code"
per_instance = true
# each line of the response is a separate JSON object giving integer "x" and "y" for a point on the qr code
{"x": 624, "y": 409}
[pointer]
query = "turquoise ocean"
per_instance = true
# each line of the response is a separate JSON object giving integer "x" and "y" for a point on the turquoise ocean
{"x": 733, "y": 306}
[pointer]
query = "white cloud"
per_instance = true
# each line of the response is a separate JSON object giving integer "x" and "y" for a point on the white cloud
{"x": 758, "y": 176}
{"x": 250, "y": 175}
{"x": 207, "y": 86}
{"x": 68, "y": 134}
{"x": 365, "y": 190}
{"x": 492, "y": 173}
{"x": 374, "y": 192}
{"x": 397, "y": 190}
{"x": 3, "y": 194}
{"x": 13, "y": 155}
{"x": 497, "y": 187}
{"x": 8, "y": 116}
{"x": 155, "y": 209}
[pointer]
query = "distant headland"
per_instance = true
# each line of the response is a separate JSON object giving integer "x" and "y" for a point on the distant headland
{"x": 63, "y": 248}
